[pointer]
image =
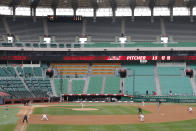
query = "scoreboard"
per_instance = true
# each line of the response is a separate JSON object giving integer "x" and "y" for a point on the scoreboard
{"x": 65, "y": 19}
{"x": 106, "y": 58}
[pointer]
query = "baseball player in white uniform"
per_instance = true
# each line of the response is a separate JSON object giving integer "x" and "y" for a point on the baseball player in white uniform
{"x": 44, "y": 116}
{"x": 143, "y": 103}
{"x": 141, "y": 117}
{"x": 82, "y": 104}
{"x": 190, "y": 109}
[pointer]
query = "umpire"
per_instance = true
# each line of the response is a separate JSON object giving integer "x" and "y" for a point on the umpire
{"x": 139, "y": 110}
{"x": 25, "y": 118}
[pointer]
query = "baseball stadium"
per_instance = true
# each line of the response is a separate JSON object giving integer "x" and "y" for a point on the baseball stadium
{"x": 97, "y": 65}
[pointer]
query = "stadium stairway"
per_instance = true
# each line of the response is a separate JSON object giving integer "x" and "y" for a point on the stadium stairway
{"x": 18, "y": 74}
{"x": 45, "y": 26}
{"x": 69, "y": 86}
{"x": 61, "y": 82}
{"x": 86, "y": 85}
{"x": 84, "y": 27}
{"x": 193, "y": 85}
{"x": 192, "y": 80}
{"x": 53, "y": 87}
{"x": 157, "y": 81}
{"x": 6, "y": 25}
{"x": 26, "y": 86}
{"x": 122, "y": 85}
{"x": 103, "y": 85}
{"x": 163, "y": 29}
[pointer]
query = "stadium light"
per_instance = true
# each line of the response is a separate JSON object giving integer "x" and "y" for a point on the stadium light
{"x": 10, "y": 39}
{"x": 47, "y": 40}
{"x": 123, "y": 39}
{"x": 82, "y": 40}
{"x": 164, "y": 39}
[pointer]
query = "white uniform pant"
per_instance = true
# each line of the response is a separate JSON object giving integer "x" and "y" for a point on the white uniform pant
{"x": 141, "y": 118}
{"x": 44, "y": 117}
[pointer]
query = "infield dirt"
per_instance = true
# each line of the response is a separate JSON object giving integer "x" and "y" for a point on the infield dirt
{"x": 168, "y": 113}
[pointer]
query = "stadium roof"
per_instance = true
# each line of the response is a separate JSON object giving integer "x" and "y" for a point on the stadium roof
{"x": 95, "y": 3}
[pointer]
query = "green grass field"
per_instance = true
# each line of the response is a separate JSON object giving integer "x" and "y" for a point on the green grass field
{"x": 103, "y": 110}
{"x": 169, "y": 126}
{"x": 8, "y": 122}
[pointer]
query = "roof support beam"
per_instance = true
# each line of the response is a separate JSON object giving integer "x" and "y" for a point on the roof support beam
{"x": 171, "y": 4}
{"x": 54, "y": 6}
{"x": 74, "y": 4}
{"x": 95, "y": 7}
{"x": 14, "y": 4}
{"x": 132, "y": 4}
{"x": 113, "y": 15}
{"x": 34, "y": 15}
{"x": 94, "y": 14}
{"x": 190, "y": 4}
{"x": 33, "y": 5}
{"x": 171, "y": 14}
{"x": 14, "y": 13}
{"x": 151, "y": 5}
{"x": 191, "y": 15}
{"x": 114, "y": 7}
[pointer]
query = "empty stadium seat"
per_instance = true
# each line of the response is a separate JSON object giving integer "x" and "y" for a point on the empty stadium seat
{"x": 104, "y": 68}
{"x": 27, "y": 44}
{"x": 37, "y": 71}
{"x": 143, "y": 84}
{"x": 141, "y": 69}
{"x": 61, "y": 45}
{"x": 71, "y": 68}
{"x": 43, "y": 45}
{"x": 77, "y": 86}
{"x": 101, "y": 45}
{"x": 170, "y": 70}
{"x": 179, "y": 85}
{"x": 112, "y": 85}
{"x": 95, "y": 85}
{"x": 53, "y": 45}
{"x": 143, "y": 44}
{"x": 182, "y": 44}
{"x": 20, "y": 71}
{"x": 35, "y": 45}
{"x": 7, "y": 44}
{"x": 61, "y": 86}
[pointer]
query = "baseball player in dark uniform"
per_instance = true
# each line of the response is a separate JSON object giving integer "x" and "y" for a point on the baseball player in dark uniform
{"x": 139, "y": 110}
{"x": 25, "y": 118}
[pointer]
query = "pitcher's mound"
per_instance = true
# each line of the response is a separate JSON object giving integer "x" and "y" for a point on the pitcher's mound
{"x": 85, "y": 109}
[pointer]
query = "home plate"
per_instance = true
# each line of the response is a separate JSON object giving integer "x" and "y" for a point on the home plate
{"x": 85, "y": 109}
